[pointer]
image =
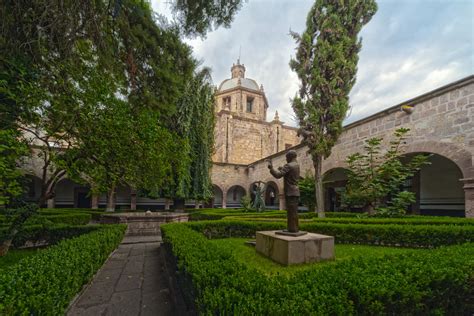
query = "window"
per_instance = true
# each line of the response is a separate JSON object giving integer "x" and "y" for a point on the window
{"x": 249, "y": 104}
{"x": 226, "y": 102}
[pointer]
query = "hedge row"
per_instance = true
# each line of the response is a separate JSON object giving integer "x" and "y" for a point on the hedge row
{"x": 389, "y": 234}
{"x": 438, "y": 282}
{"x": 45, "y": 283}
{"x": 409, "y": 220}
{"x": 48, "y": 235}
{"x": 219, "y": 213}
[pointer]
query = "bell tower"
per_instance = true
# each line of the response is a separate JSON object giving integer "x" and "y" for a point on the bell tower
{"x": 238, "y": 70}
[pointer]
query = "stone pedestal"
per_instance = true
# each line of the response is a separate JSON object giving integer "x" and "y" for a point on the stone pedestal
{"x": 289, "y": 250}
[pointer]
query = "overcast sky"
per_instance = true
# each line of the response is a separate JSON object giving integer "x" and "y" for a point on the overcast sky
{"x": 409, "y": 47}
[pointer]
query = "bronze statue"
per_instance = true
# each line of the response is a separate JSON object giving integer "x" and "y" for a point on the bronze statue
{"x": 291, "y": 174}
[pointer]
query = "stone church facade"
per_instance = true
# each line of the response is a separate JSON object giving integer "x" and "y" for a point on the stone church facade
{"x": 242, "y": 133}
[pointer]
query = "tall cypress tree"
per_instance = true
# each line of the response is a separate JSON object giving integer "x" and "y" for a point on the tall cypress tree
{"x": 326, "y": 64}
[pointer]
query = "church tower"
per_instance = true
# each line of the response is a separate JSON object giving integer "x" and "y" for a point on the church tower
{"x": 242, "y": 133}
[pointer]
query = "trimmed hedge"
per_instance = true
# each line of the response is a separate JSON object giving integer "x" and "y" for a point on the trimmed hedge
{"x": 71, "y": 219}
{"x": 438, "y": 282}
{"x": 45, "y": 283}
{"x": 374, "y": 220}
{"x": 388, "y": 235}
{"x": 49, "y": 234}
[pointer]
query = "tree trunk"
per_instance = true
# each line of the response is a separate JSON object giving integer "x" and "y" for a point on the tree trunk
{"x": 178, "y": 205}
{"x": 369, "y": 209}
{"x": 318, "y": 184}
{"x": 111, "y": 200}
{"x": 5, "y": 244}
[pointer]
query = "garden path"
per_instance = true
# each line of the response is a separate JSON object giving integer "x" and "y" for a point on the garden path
{"x": 133, "y": 281}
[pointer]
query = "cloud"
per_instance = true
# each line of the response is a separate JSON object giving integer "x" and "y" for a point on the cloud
{"x": 410, "y": 47}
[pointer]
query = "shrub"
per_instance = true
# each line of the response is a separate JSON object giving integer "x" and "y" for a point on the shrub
{"x": 44, "y": 284}
{"x": 438, "y": 282}
{"x": 388, "y": 234}
{"x": 71, "y": 219}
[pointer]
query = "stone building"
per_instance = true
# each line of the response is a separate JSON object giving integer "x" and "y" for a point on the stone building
{"x": 441, "y": 123}
{"x": 242, "y": 133}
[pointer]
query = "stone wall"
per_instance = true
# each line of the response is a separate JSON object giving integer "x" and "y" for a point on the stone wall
{"x": 442, "y": 122}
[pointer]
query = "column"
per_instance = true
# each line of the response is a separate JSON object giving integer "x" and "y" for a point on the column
{"x": 50, "y": 203}
{"x": 196, "y": 204}
{"x": 94, "y": 201}
{"x": 224, "y": 198}
{"x": 167, "y": 204}
{"x": 133, "y": 200}
{"x": 469, "y": 196}
{"x": 281, "y": 199}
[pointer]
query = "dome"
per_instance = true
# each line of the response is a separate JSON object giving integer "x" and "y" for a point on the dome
{"x": 244, "y": 82}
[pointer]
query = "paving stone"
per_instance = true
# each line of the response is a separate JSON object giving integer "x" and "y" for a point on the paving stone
{"x": 134, "y": 267}
{"x": 125, "y": 303}
{"x": 108, "y": 275}
{"x": 97, "y": 293}
{"x": 114, "y": 264}
{"x": 90, "y": 311}
{"x": 129, "y": 282}
{"x": 156, "y": 303}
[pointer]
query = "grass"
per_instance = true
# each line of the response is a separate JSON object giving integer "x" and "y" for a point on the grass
{"x": 15, "y": 255}
{"x": 247, "y": 255}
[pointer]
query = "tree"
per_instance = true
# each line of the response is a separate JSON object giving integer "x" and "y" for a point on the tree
{"x": 326, "y": 64}
{"x": 197, "y": 17}
{"x": 194, "y": 123}
{"x": 307, "y": 191}
{"x": 375, "y": 178}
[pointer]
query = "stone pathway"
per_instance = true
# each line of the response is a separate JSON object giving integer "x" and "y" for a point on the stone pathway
{"x": 133, "y": 281}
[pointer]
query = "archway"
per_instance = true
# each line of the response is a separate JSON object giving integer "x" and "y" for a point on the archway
{"x": 438, "y": 188}
{"x": 32, "y": 188}
{"x": 71, "y": 194}
{"x": 271, "y": 195}
{"x": 234, "y": 195}
{"x": 217, "y": 198}
{"x": 334, "y": 182}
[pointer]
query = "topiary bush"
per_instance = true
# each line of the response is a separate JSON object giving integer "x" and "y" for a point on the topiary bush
{"x": 44, "y": 284}
{"x": 438, "y": 282}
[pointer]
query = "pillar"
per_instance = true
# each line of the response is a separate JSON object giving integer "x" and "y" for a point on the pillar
{"x": 50, "y": 203}
{"x": 167, "y": 204}
{"x": 133, "y": 200}
{"x": 281, "y": 199}
{"x": 94, "y": 201}
{"x": 196, "y": 204}
{"x": 469, "y": 196}
{"x": 224, "y": 198}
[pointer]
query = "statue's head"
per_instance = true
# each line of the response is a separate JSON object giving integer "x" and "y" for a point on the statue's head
{"x": 290, "y": 155}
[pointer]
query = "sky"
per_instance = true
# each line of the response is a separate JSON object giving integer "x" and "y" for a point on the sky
{"x": 410, "y": 47}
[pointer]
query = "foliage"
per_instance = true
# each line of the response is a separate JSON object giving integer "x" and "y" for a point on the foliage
{"x": 326, "y": 64}
{"x": 411, "y": 283}
{"x": 400, "y": 235}
{"x": 259, "y": 199}
{"x": 15, "y": 220}
{"x": 247, "y": 204}
{"x": 194, "y": 122}
{"x": 307, "y": 191}
{"x": 46, "y": 283}
{"x": 199, "y": 17}
{"x": 247, "y": 255}
{"x": 375, "y": 177}
{"x": 11, "y": 150}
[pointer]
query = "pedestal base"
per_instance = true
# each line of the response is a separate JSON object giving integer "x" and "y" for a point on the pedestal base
{"x": 289, "y": 250}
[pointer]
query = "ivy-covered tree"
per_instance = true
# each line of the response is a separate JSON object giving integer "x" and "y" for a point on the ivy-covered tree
{"x": 376, "y": 177}
{"x": 194, "y": 122}
{"x": 326, "y": 64}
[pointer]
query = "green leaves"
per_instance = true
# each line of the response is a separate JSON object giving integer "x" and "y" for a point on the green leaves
{"x": 375, "y": 177}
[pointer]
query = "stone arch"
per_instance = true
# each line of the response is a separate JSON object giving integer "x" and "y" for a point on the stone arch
{"x": 218, "y": 196}
{"x": 437, "y": 187}
{"x": 271, "y": 194}
{"x": 234, "y": 194}
{"x": 461, "y": 157}
{"x": 334, "y": 183}
{"x": 71, "y": 194}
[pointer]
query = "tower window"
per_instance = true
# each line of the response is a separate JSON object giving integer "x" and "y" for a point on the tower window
{"x": 226, "y": 102}
{"x": 249, "y": 104}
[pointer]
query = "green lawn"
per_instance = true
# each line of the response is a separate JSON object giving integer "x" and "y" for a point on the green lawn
{"x": 247, "y": 255}
{"x": 13, "y": 256}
